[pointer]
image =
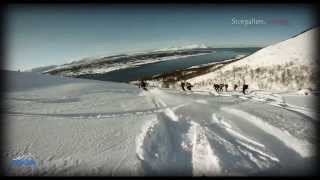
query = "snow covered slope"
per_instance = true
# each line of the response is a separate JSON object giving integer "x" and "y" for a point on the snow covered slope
{"x": 74, "y": 126}
{"x": 84, "y": 127}
{"x": 288, "y": 65}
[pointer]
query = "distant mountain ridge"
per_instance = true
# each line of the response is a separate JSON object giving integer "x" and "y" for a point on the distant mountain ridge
{"x": 42, "y": 68}
{"x": 191, "y": 46}
{"x": 93, "y": 65}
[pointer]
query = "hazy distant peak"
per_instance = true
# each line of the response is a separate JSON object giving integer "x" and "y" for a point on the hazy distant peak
{"x": 190, "y": 46}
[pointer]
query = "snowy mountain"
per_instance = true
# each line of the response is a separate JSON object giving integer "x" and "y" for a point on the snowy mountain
{"x": 41, "y": 69}
{"x": 191, "y": 46}
{"x": 73, "y": 126}
{"x": 288, "y": 65}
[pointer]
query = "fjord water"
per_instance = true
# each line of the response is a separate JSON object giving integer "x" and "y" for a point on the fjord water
{"x": 130, "y": 74}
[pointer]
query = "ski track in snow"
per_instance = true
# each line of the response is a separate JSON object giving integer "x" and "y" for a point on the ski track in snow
{"x": 172, "y": 133}
{"x": 161, "y": 104}
{"x": 277, "y": 100}
{"x": 302, "y": 147}
{"x": 100, "y": 115}
{"x": 249, "y": 145}
{"x": 204, "y": 161}
{"x": 146, "y": 131}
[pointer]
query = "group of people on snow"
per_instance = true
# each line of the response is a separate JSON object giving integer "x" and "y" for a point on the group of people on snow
{"x": 219, "y": 87}
{"x": 143, "y": 84}
{"x": 187, "y": 85}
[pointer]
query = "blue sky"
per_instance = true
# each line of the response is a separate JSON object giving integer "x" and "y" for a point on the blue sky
{"x": 55, "y": 34}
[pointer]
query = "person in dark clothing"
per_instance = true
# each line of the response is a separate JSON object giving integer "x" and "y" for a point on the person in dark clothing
{"x": 221, "y": 87}
{"x": 235, "y": 87}
{"x": 183, "y": 84}
{"x": 189, "y": 86}
{"x": 143, "y": 85}
{"x": 244, "y": 88}
{"x": 226, "y": 87}
{"x": 216, "y": 87}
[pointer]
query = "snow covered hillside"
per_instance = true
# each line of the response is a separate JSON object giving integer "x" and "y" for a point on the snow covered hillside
{"x": 84, "y": 127}
{"x": 288, "y": 65}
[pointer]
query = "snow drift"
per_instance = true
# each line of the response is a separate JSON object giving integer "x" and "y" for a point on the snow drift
{"x": 73, "y": 126}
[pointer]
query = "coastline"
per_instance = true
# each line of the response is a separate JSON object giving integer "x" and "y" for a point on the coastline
{"x": 119, "y": 66}
{"x": 168, "y": 79}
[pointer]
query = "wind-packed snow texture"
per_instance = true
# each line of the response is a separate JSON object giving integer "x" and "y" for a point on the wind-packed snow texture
{"x": 85, "y": 127}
